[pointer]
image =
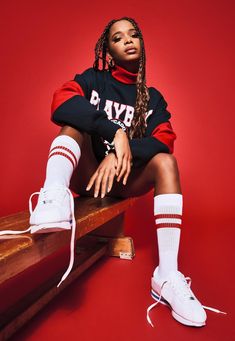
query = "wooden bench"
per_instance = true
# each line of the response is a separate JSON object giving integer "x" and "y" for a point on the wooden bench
{"x": 99, "y": 232}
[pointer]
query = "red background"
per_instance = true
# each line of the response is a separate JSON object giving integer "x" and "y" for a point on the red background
{"x": 190, "y": 60}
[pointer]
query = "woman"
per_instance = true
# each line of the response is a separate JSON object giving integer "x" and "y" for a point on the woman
{"x": 116, "y": 140}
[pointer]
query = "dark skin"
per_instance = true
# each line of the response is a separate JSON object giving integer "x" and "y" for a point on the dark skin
{"x": 114, "y": 175}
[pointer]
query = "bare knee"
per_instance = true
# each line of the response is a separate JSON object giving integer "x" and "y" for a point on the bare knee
{"x": 74, "y": 133}
{"x": 164, "y": 162}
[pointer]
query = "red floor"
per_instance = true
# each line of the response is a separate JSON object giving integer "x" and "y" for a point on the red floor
{"x": 109, "y": 301}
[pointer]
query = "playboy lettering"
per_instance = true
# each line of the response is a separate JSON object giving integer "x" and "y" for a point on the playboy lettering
{"x": 116, "y": 110}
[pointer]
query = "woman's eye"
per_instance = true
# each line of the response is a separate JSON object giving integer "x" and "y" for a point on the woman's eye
{"x": 135, "y": 35}
{"x": 116, "y": 39}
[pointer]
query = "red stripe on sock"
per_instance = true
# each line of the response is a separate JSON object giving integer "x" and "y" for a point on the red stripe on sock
{"x": 67, "y": 150}
{"x": 168, "y": 225}
{"x": 168, "y": 215}
{"x": 65, "y": 155}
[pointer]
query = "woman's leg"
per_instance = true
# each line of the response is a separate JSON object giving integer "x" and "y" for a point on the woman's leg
{"x": 53, "y": 211}
{"x": 161, "y": 173}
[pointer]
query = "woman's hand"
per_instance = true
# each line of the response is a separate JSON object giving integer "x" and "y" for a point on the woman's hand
{"x": 104, "y": 176}
{"x": 123, "y": 154}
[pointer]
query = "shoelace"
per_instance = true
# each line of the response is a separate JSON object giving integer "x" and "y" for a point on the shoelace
{"x": 185, "y": 294}
{"x": 73, "y": 232}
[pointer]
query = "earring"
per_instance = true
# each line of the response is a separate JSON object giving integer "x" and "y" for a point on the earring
{"x": 111, "y": 63}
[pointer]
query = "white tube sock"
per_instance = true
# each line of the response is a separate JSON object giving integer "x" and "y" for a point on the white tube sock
{"x": 63, "y": 159}
{"x": 168, "y": 217}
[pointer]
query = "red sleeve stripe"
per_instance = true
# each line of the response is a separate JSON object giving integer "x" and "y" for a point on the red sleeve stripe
{"x": 68, "y": 90}
{"x": 164, "y": 133}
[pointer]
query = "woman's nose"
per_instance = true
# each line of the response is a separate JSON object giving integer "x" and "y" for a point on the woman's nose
{"x": 128, "y": 40}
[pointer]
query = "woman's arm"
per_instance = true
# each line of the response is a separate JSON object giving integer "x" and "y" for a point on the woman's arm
{"x": 161, "y": 141}
{"x": 71, "y": 107}
{"x": 159, "y": 136}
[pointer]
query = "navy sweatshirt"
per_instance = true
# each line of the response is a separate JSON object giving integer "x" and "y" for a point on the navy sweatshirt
{"x": 101, "y": 102}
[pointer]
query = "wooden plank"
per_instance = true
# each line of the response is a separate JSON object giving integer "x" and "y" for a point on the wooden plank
{"x": 19, "y": 252}
{"x": 27, "y": 307}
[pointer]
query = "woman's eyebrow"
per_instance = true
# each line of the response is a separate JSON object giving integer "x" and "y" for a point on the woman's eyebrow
{"x": 118, "y": 32}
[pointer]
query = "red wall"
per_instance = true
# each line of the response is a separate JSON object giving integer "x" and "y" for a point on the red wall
{"x": 189, "y": 54}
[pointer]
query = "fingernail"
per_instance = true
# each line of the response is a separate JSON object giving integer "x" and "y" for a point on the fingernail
{"x": 96, "y": 195}
{"x": 87, "y": 189}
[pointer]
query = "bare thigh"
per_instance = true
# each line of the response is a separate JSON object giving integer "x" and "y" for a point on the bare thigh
{"x": 139, "y": 183}
{"x": 86, "y": 168}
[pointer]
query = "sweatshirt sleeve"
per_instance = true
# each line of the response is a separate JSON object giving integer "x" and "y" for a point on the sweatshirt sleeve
{"x": 70, "y": 106}
{"x": 159, "y": 136}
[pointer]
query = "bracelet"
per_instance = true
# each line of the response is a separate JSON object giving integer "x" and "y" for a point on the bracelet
{"x": 110, "y": 150}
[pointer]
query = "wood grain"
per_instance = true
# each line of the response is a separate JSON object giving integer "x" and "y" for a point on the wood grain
{"x": 19, "y": 252}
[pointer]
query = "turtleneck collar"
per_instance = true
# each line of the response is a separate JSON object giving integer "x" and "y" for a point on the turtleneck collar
{"x": 124, "y": 76}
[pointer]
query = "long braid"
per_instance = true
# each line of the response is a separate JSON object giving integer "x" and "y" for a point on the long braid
{"x": 101, "y": 47}
{"x": 138, "y": 124}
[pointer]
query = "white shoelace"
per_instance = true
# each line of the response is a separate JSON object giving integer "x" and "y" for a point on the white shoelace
{"x": 72, "y": 240}
{"x": 73, "y": 233}
{"x": 185, "y": 294}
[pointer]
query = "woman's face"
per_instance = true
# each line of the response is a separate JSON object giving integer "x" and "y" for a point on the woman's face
{"x": 124, "y": 45}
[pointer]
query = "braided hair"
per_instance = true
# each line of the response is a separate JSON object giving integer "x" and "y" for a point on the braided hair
{"x": 138, "y": 124}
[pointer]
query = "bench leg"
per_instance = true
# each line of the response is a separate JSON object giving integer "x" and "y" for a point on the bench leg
{"x": 113, "y": 233}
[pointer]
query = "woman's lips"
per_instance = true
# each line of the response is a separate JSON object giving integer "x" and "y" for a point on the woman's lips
{"x": 130, "y": 50}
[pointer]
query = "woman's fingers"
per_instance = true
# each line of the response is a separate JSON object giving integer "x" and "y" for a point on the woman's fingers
{"x": 97, "y": 183}
{"x": 119, "y": 162}
{"x": 111, "y": 166}
{"x": 92, "y": 180}
{"x": 110, "y": 180}
{"x": 104, "y": 184}
{"x": 127, "y": 173}
{"x": 123, "y": 169}
{"x": 103, "y": 178}
{"x": 126, "y": 169}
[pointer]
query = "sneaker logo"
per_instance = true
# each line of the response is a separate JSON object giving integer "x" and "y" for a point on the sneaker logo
{"x": 47, "y": 201}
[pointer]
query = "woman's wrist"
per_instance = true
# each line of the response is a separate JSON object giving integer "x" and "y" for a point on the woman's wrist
{"x": 112, "y": 144}
{"x": 110, "y": 151}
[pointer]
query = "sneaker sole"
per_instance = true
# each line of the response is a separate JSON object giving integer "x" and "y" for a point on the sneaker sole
{"x": 51, "y": 227}
{"x": 176, "y": 316}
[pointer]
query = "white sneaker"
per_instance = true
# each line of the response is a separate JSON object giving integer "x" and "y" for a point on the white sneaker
{"x": 53, "y": 210}
{"x": 174, "y": 291}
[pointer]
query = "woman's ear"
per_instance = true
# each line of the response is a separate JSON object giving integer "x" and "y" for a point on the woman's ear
{"x": 108, "y": 54}
{"x": 111, "y": 62}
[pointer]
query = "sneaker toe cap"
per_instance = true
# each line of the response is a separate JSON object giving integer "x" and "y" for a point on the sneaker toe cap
{"x": 195, "y": 313}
